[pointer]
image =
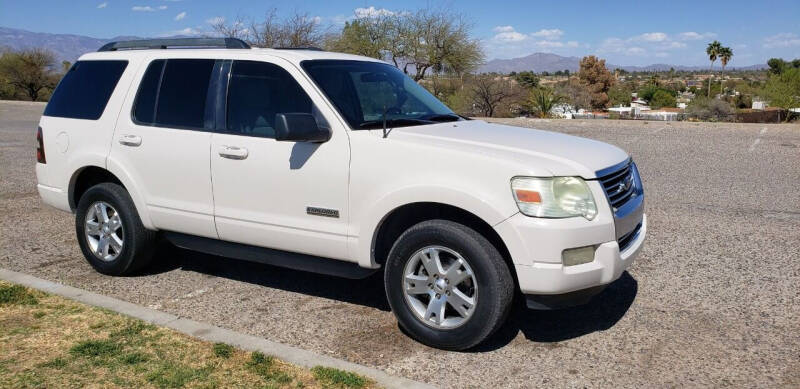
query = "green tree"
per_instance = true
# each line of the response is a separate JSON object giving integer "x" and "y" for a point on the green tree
{"x": 527, "y": 79}
{"x": 713, "y": 51}
{"x": 661, "y": 99}
{"x": 29, "y": 71}
{"x": 541, "y": 101}
{"x": 420, "y": 43}
{"x": 594, "y": 74}
{"x": 619, "y": 95}
{"x": 783, "y": 90}
{"x": 776, "y": 65}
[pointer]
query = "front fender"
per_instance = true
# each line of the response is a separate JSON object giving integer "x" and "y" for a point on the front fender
{"x": 491, "y": 208}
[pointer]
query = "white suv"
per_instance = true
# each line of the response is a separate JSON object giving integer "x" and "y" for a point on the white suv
{"x": 336, "y": 164}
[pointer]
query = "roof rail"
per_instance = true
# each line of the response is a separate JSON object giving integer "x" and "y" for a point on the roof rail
{"x": 228, "y": 43}
{"x": 312, "y": 48}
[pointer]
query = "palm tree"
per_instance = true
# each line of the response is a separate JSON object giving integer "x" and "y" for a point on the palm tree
{"x": 542, "y": 100}
{"x": 725, "y": 55}
{"x": 712, "y": 50}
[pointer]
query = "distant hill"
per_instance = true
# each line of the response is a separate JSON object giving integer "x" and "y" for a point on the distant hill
{"x": 66, "y": 46}
{"x": 548, "y": 62}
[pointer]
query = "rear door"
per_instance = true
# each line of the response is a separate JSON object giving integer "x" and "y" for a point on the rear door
{"x": 285, "y": 195}
{"x": 162, "y": 140}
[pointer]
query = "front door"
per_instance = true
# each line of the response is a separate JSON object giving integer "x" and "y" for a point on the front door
{"x": 284, "y": 195}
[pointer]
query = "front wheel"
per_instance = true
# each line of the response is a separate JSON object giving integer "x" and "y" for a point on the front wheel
{"x": 447, "y": 285}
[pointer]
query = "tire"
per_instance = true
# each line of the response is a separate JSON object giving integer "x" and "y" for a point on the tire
{"x": 487, "y": 283}
{"x": 137, "y": 243}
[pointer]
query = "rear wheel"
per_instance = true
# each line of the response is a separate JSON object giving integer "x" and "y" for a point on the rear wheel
{"x": 110, "y": 233}
{"x": 447, "y": 285}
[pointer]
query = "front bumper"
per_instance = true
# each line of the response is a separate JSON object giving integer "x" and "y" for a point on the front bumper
{"x": 607, "y": 266}
{"x": 536, "y": 245}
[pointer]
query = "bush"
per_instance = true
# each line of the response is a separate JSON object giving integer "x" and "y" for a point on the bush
{"x": 662, "y": 98}
{"x": 702, "y": 108}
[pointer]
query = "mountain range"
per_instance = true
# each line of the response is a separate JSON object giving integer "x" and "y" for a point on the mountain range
{"x": 549, "y": 62}
{"x": 69, "y": 47}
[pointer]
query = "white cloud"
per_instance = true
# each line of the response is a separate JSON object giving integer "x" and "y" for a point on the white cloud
{"x": 372, "y": 12}
{"x": 508, "y": 42}
{"x": 695, "y": 36}
{"x": 147, "y": 8}
{"x": 186, "y": 31}
{"x": 180, "y": 16}
{"x": 551, "y": 34}
{"x": 216, "y": 20}
{"x": 103, "y": 4}
{"x": 510, "y": 36}
{"x": 650, "y": 43}
{"x": 651, "y": 37}
{"x": 784, "y": 39}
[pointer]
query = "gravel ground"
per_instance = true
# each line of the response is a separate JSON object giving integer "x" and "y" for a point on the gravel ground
{"x": 714, "y": 299}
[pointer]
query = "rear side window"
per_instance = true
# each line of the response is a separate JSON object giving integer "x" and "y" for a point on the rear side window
{"x": 257, "y": 92}
{"x": 173, "y": 93}
{"x": 84, "y": 91}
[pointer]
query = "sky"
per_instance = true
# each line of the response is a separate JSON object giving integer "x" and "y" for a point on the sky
{"x": 622, "y": 32}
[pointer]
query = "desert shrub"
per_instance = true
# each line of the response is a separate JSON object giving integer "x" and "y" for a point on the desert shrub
{"x": 706, "y": 109}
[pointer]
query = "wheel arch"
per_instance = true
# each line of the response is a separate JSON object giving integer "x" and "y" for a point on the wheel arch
{"x": 394, "y": 223}
{"x": 90, "y": 175}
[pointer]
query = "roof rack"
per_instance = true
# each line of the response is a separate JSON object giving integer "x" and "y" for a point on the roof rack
{"x": 312, "y": 48}
{"x": 228, "y": 43}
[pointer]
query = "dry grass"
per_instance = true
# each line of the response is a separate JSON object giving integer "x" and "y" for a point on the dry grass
{"x": 50, "y": 342}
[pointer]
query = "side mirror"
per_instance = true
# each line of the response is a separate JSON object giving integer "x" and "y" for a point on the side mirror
{"x": 299, "y": 127}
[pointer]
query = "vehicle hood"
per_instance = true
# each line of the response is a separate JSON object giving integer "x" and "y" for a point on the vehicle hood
{"x": 541, "y": 153}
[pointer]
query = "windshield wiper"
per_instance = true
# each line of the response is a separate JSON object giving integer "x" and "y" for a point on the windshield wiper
{"x": 442, "y": 117}
{"x": 394, "y": 122}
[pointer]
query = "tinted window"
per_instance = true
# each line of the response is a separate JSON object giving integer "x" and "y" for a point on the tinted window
{"x": 144, "y": 110}
{"x": 257, "y": 92}
{"x": 84, "y": 91}
{"x": 363, "y": 91}
{"x": 179, "y": 100}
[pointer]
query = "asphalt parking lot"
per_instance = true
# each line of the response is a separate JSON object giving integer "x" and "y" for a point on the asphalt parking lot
{"x": 714, "y": 299}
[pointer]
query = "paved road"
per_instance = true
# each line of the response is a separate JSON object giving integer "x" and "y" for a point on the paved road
{"x": 714, "y": 299}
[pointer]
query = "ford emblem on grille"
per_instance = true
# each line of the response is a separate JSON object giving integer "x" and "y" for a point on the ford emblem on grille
{"x": 625, "y": 185}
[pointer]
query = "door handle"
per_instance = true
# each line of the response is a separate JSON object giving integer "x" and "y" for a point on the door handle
{"x": 130, "y": 140}
{"x": 233, "y": 152}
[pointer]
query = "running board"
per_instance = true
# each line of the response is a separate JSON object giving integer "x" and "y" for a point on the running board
{"x": 303, "y": 262}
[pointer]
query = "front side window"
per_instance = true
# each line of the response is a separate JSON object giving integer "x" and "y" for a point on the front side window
{"x": 84, "y": 91}
{"x": 369, "y": 93}
{"x": 256, "y": 93}
{"x": 173, "y": 93}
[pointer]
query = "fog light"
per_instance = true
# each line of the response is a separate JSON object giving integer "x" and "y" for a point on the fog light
{"x": 577, "y": 256}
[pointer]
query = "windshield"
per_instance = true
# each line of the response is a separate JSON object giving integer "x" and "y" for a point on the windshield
{"x": 364, "y": 92}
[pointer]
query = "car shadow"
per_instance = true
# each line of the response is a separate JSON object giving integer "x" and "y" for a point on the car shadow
{"x": 601, "y": 313}
{"x": 368, "y": 292}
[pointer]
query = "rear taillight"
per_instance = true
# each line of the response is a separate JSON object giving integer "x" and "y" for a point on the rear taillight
{"x": 40, "y": 147}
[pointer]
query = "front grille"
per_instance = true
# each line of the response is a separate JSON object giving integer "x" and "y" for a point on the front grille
{"x": 619, "y": 186}
{"x": 626, "y": 240}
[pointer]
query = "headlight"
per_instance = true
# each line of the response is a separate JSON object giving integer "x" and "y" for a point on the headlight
{"x": 556, "y": 197}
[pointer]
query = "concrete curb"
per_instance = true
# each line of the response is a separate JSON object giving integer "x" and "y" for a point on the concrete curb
{"x": 208, "y": 332}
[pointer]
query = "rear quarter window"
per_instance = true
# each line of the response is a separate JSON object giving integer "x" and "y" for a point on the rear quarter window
{"x": 84, "y": 91}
